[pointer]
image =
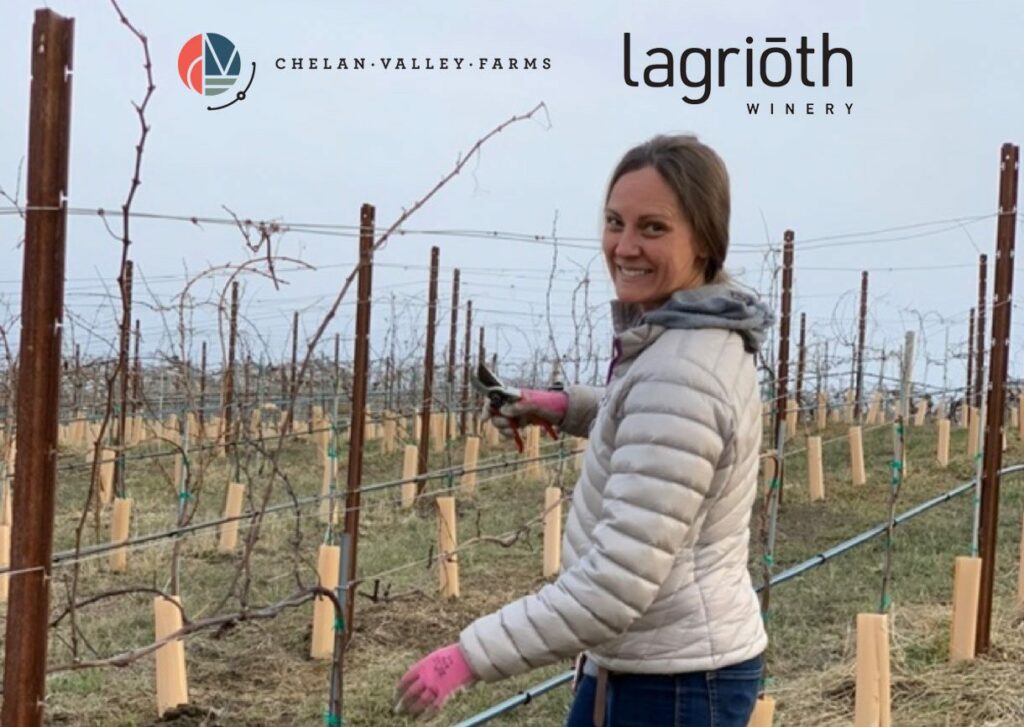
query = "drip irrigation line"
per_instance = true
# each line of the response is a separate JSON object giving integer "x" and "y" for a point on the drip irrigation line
{"x": 443, "y": 474}
{"x": 525, "y": 697}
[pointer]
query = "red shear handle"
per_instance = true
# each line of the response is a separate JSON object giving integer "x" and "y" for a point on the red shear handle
{"x": 548, "y": 426}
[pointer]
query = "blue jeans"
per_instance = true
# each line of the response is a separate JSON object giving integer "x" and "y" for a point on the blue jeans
{"x": 721, "y": 698}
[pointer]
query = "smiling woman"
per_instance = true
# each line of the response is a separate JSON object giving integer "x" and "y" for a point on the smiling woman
{"x": 654, "y": 588}
{"x": 666, "y": 220}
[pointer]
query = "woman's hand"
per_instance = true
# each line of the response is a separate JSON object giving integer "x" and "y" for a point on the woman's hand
{"x": 549, "y": 406}
{"x": 432, "y": 680}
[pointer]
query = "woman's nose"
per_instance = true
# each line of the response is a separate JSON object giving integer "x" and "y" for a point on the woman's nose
{"x": 627, "y": 245}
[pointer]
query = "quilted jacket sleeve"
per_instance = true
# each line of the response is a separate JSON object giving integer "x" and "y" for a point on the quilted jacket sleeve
{"x": 668, "y": 442}
{"x": 584, "y": 401}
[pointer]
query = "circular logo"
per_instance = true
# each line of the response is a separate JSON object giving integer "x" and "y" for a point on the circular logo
{"x": 209, "y": 64}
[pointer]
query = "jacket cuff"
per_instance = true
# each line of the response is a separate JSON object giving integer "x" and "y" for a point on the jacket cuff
{"x": 476, "y": 656}
{"x": 584, "y": 401}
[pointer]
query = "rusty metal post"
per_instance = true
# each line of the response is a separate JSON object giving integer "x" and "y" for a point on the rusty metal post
{"x": 201, "y": 415}
{"x": 428, "y": 374}
{"x": 979, "y": 336}
{"x": 993, "y": 454}
{"x": 125, "y": 283}
{"x": 244, "y": 412}
{"x": 801, "y": 366}
{"x": 38, "y": 400}
{"x": 774, "y": 497}
{"x": 782, "y": 380}
{"x": 452, "y": 346}
{"x": 969, "y": 391}
{"x": 817, "y": 376}
{"x": 76, "y": 390}
{"x": 137, "y": 372}
{"x": 230, "y": 436}
{"x": 861, "y": 328}
{"x": 481, "y": 358}
{"x": 361, "y": 365}
{"x": 336, "y": 378}
{"x": 823, "y": 373}
{"x": 293, "y": 392}
{"x": 466, "y": 346}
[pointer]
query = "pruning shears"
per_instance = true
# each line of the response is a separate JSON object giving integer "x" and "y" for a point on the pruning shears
{"x": 498, "y": 394}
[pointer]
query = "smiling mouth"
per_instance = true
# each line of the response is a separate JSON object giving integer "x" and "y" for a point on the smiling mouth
{"x": 632, "y": 273}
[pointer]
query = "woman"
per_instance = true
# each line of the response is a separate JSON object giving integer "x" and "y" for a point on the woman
{"x": 654, "y": 587}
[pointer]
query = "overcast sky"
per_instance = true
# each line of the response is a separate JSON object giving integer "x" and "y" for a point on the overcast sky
{"x": 935, "y": 92}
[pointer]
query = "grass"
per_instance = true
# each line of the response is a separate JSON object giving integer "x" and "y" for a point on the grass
{"x": 259, "y": 673}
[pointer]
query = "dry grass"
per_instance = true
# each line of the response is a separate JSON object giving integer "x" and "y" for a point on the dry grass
{"x": 258, "y": 673}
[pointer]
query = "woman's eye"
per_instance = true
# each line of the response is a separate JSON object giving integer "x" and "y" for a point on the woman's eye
{"x": 611, "y": 221}
{"x": 656, "y": 226}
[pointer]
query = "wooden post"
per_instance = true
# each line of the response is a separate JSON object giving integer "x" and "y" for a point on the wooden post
{"x": 469, "y": 465}
{"x": 815, "y": 470}
{"x": 857, "y": 456}
{"x": 552, "y": 531}
{"x": 764, "y": 712}
{"x": 120, "y": 523}
{"x": 791, "y": 417}
{"x": 389, "y": 432}
{"x": 872, "y": 700}
{"x": 533, "y": 468}
{"x": 232, "y": 509}
{"x": 966, "y": 583}
{"x": 329, "y": 472}
{"x": 108, "y": 459}
{"x": 580, "y": 443}
{"x": 327, "y": 569}
{"x": 491, "y": 436}
{"x": 922, "y": 410}
{"x": 447, "y": 541}
{"x": 321, "y": 436}
{"x": 171, "y": 677}
{"x": 822, "y": 412}
{"x": 973, "y": 424}
{"x": 437, "y": 431}
{"x": 5, "y": 501}
{"x": 943, "y": 451}
{"x": 873, "y": 407}
{"x": 769, "y": 472}
{"x": 408, "y": 473}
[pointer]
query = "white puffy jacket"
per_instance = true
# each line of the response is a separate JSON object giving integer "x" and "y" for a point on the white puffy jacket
{"x": 654, "y": 562}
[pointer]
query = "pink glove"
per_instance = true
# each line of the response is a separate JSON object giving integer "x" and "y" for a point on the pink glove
{"x": 432, "y": 680}
{"x": 536, "y": 403}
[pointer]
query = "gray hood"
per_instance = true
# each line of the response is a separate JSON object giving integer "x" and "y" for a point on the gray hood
{"x": 716, "y": 305}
